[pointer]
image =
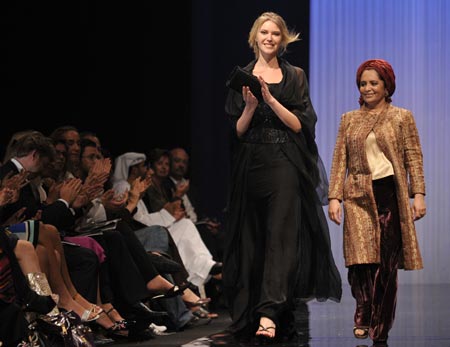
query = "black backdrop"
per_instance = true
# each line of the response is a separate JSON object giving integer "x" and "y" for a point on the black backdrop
{"x": 112, "y": 68}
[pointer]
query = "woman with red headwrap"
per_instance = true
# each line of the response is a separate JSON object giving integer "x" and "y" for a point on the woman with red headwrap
{"x": 377, "y": 168}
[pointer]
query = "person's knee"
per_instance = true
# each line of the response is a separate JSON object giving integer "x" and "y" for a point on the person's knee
{"x": 160, "y": 232}
{"x": 156, "y": 238}
{"x": 49, "y": 231}
{"x": 23, "y": 247}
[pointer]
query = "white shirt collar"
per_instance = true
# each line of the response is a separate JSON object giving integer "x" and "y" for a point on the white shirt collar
{"x": 18, "y": 165}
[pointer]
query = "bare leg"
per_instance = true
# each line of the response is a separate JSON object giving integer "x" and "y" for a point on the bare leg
{"x": 27, "y": 257}
{"x": 41, "y": 253}
{"x": 197, "y": 304}
{"x": 48, "y": 237}
{"x": 159, "y": 284}
{"x": 67, "y": 301}
{"x": 190, "y": 296}
{"x": 29, "y": 263}
{"x": 52, "y": 237}
{"x": 112, "y": 312}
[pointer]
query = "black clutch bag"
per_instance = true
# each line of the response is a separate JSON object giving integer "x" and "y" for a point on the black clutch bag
{"x": 239, "y": 77}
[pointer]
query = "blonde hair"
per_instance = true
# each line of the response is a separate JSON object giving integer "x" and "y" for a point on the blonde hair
{"x": 287, "y": 36}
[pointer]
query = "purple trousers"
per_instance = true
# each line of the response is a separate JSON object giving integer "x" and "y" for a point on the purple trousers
{"x": 374, "y": 286}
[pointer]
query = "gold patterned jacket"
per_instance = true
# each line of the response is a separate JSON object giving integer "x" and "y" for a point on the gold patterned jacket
{"x": 351, "y": 182}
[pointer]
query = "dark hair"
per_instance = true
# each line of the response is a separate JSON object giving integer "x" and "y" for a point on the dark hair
{"x": 155, "y": 154}
{"x": 58, "y": 133}
{"x": 86, "y": 143}
{"x": 34, "y": 141}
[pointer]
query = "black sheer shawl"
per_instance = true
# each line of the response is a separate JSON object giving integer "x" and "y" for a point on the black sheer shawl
{"x": 295, "y": 97}
{"x": 318, "y": 276}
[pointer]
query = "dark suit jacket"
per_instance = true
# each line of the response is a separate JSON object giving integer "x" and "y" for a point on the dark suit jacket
{"x": 56, "y": 214}
{"x": 192, "y": 194}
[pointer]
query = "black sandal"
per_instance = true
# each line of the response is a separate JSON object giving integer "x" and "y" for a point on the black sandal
{"x": 121, "y": 324}
{"x": 172, "y": 292}
{"x": 262, "y": 328}
{"x": 204, "y": 313}
{"x": 114, "y": 332}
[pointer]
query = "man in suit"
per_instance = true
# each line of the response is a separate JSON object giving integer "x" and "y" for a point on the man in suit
{"x": 31, "y": 152}
{"x": 210, "y": 229}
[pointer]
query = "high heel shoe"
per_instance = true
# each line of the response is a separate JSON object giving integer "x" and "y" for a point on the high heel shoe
{"x": 89, "y": 316}
{"x": 172, "y": 292}
{"x": 199, "y": 302}
{"x": 114, "y": 332}
{"x": 123, "y": 323}
{"x": 203, "y": 313}
{"x": 94, "y": 309}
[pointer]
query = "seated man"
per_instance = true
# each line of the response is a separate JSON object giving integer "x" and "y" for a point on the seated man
{"x": 195, "y": 255}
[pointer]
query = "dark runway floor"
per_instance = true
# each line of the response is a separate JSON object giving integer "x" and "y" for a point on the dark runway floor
{"x": 422, "y": 320}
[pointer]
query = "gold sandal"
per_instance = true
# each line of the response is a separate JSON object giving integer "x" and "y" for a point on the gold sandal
{"x": 365, "y": 333}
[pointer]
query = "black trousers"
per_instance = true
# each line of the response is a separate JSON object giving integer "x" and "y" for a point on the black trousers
{"x": 137, "y": 252}
{"x": 126, "y": 283}
{"x": 83, "y": 268}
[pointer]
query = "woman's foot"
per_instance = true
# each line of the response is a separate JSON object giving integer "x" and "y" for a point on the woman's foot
{"x": 115, "y": 316}
{"x": 159, "y": 284}
{"x": 93, "y": 308}
{"x": 68, "y": 304}
{"x": 202, "y": 312}
{"x": 361, "y": 332}
{"x": 193, "y": 300}
{"x": 112, "y": 329}
{"x": 266, "y": 329}
{"x": 104, "y": 321}
{"x": 172, "y": 292}
{"x": 112, "y": 312}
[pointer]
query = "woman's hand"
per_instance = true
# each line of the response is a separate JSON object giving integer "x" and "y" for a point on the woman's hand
{"x": 250, "y": 100}
{"x": 335, "y": 211}
{"x": 418, "y": 206}
{"x": 267, "y": 96}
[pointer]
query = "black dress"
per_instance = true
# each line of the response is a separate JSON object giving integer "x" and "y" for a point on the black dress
{"x": 278, "y": 245}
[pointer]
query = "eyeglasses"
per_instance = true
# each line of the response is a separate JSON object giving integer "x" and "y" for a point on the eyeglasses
{"x": 92, "y": 156}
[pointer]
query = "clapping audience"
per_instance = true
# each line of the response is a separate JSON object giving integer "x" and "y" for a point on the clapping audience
{"x": 139, "y": 280}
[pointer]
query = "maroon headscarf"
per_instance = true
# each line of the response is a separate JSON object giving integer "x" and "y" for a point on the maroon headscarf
{"x": 384, "y": 70}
